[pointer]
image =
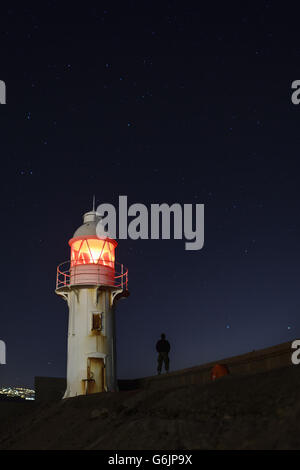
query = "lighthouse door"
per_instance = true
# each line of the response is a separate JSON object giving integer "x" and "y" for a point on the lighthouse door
{"x": 95, "y": 370}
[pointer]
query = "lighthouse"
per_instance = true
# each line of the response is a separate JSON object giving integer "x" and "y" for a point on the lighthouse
{"x": 91, "y": 283}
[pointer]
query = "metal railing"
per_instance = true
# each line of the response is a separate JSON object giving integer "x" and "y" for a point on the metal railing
{"x": 68, "y": 275}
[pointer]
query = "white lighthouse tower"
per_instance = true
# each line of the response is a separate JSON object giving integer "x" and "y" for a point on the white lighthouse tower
{"x": 91, "y": 283}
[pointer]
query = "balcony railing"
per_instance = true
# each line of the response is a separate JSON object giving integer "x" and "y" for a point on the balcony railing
{"x": 91, "y": 274}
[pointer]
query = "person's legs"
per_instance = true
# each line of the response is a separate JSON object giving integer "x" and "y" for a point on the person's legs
{"x": 159, "y": 362}
{"x": 166, "y": 361}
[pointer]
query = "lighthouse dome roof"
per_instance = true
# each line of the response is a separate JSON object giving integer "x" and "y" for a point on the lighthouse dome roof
{"x": 91, "y": 226}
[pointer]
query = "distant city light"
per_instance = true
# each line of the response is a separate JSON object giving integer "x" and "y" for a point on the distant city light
{"x": 18, "y": 392}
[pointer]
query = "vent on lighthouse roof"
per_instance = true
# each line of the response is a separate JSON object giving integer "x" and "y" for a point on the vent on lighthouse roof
{"x": 89, "y": 227}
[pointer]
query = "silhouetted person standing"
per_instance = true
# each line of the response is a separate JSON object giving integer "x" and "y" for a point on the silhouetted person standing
{"x": 163, "y": 347}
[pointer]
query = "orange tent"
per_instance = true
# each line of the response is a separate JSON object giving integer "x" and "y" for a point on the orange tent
{"x": 219, "y": 370}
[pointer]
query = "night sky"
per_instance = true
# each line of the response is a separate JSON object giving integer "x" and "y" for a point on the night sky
{"x": 162, "y": 102}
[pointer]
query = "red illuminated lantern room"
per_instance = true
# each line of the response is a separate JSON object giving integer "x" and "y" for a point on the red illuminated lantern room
{"x": 92, "y": 259}
{"x": 88, "y": 248}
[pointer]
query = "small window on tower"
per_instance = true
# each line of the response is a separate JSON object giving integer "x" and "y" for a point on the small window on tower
{"x": 97, "y": 322}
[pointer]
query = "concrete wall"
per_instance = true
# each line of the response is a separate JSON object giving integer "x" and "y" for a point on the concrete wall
{"x": 249, "y": 363}
{"x": 49, "y": 388}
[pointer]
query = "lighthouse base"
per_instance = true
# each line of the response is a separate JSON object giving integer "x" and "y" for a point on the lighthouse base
{"x": 95, "y": 382}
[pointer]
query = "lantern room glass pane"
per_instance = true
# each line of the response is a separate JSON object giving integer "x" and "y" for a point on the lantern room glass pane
{"x": 93, "y": 251}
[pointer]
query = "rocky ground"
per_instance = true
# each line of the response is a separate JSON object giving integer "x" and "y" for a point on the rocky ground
{"x": 261, "y": 411}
